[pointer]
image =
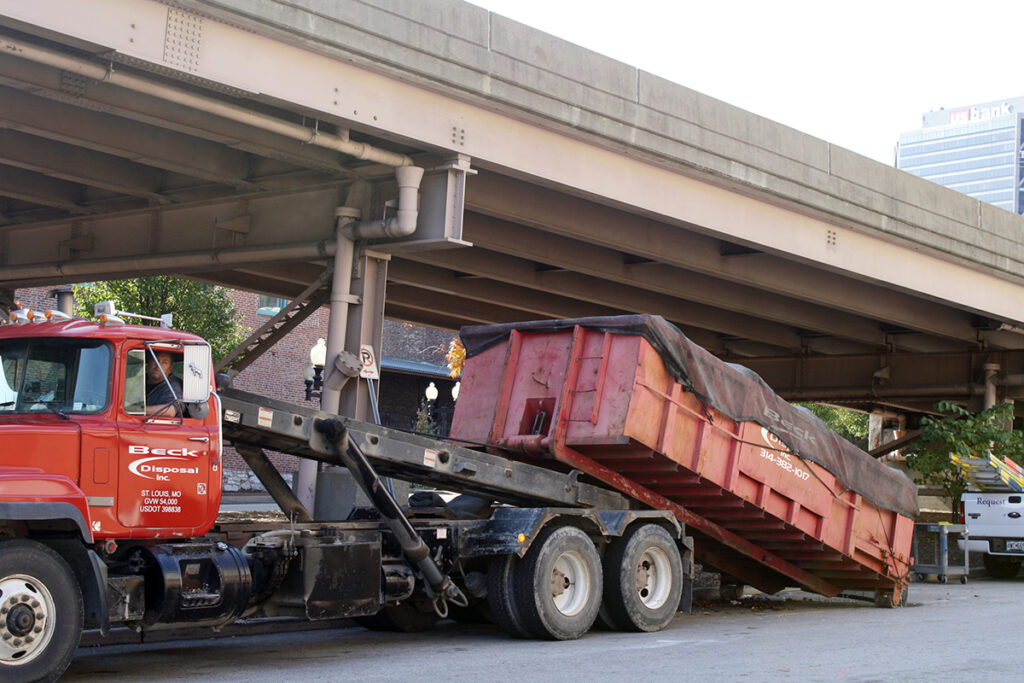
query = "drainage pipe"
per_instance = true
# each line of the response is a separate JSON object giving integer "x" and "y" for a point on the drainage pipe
{"x": 841, "y": 393}
{"x": 189, "y": 260}
{"x": 348, "y": 230}
{"x": 295, "y": 131}
{"x": 337, "y": 330}
{"x": 401, "y": 225}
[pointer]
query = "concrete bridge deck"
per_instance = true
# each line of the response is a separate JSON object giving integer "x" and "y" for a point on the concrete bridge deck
{"x": 214, "y": 138}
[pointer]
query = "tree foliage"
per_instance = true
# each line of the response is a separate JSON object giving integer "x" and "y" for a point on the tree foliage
{"x": 967, "y": 435}
{"x": 425, "y": 424}
{"x": 198, "y": 307}
{"x": 849, "y": 424}
{"x": 456, "y": 357}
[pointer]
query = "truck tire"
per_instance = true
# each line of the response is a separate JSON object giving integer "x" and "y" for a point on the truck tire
{"x": 41, "y": 612}
{"x": 643, "y": 579}
{"x": 501, "y": 577}
{"x": 559, "y": 585}
{"x": 1001, "y": 567}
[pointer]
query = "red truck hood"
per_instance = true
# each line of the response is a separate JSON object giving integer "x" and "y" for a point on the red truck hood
{"x": 46, "y": 442}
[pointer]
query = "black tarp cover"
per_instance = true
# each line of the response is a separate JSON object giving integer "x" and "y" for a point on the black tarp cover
{"x": 741, "y": 394}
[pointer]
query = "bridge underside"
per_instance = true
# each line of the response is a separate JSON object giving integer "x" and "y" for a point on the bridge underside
{"x": 150, "y": 171}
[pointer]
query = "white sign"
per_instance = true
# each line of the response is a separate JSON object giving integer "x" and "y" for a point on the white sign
{"x": 429, "y": 457}
{"x": 367, "y": 363}
{"x": 265, "y": 417}
{"x": 980, "y": 113}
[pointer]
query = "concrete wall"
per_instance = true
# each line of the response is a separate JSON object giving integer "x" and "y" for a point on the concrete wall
{"x": 469, "y": 53}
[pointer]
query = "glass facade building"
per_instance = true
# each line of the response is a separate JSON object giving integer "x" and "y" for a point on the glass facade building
{"x": 976, "y": 150}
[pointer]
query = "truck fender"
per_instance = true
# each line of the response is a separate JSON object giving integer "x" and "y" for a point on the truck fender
{"x": 509, "y": 524}
{"x": 65, "y": 515}
{"x": 91, "y": 572}
{"x": 89, "y": 569}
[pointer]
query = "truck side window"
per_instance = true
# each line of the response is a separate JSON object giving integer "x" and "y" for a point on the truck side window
{"x": 135, "y": 382}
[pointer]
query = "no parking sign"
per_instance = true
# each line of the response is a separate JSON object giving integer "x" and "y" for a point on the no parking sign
{"x": 367, "y": 362}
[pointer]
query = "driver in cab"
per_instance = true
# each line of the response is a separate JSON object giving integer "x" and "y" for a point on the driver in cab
{"x": 163, "y": 390}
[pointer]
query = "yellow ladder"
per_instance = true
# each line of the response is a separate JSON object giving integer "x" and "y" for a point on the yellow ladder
{"x": 990, "y": 473}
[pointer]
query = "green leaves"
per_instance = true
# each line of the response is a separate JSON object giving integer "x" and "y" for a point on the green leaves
{"x": 966, "y": 434}
{"x": 198, "y": 307}
{"x": 849, "y": 424}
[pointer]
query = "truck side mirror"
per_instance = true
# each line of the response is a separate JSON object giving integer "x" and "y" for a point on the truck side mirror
{"x": 196, "y": 369}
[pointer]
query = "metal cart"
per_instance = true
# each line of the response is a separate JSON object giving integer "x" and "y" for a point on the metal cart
{"x": 941, "y": 566}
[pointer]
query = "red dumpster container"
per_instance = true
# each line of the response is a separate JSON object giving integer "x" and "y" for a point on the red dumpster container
{"x": 772, "y": 496}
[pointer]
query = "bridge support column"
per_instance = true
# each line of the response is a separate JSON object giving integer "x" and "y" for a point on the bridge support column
{"x": 991, "y": 390}
{"x": 356, "y": 319}
{"x": 883, "y": 427}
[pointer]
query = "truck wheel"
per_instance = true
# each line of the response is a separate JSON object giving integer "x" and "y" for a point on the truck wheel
{"x": 1001, "y": 567}
{"x": 501, "y": 577}
{"x": 558, "y": 585}
{"x": 643, "y": 580}
{"x": 41, "y": 612}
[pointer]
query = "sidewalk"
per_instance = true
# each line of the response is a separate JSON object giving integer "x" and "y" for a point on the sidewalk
{"x": 247, "y": 500}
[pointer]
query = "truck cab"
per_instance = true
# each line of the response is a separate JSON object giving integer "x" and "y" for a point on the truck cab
{"x": 74, "y": 412}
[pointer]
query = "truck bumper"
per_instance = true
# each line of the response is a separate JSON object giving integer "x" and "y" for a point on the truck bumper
{"x": 974, "y": 546}
{"x": 993, "y": 546}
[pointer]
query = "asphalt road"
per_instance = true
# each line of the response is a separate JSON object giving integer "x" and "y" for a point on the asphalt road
{"x": 947, "y": 632}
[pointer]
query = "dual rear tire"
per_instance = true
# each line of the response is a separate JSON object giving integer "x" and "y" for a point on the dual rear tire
{"x": 558, "y": 588}
{"x": 643, "y": 580}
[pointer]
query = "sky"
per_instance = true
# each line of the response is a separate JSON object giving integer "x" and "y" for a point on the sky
{"x": 854, "y": 74}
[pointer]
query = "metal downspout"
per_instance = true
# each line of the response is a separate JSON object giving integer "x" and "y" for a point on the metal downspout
{"x": 347, "y": 230}
{"x": 330, "y": 394}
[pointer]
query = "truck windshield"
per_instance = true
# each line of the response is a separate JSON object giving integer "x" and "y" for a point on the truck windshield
{"x": 54, "y": 376}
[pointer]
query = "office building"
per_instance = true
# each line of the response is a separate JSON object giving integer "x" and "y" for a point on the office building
{"x": 976, "y": 150}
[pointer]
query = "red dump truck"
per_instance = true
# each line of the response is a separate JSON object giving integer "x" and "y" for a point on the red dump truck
{"x": 597, "y": 457}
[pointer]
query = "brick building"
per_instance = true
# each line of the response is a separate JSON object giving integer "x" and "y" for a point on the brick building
{"x": 412, "y": 357}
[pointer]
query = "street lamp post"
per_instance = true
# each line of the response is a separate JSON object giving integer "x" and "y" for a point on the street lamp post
{"x": 313, "y": 375}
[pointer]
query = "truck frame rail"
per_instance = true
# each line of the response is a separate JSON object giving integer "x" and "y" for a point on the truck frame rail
{"x": 254, "y": 421}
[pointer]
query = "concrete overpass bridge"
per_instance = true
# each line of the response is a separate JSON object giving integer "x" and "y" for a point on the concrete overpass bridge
{"x": 217, "y": 139}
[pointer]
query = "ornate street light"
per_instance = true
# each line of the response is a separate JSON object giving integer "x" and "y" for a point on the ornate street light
{"x": 313, "y": 375}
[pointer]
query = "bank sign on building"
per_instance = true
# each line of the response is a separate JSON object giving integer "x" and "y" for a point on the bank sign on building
{"x": 975, "y": 149}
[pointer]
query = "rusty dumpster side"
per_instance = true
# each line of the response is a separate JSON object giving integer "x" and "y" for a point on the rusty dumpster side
{"x": 603, "y": 402}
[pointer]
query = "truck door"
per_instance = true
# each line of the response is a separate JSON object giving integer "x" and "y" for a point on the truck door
{"x": 165, "y": 459}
